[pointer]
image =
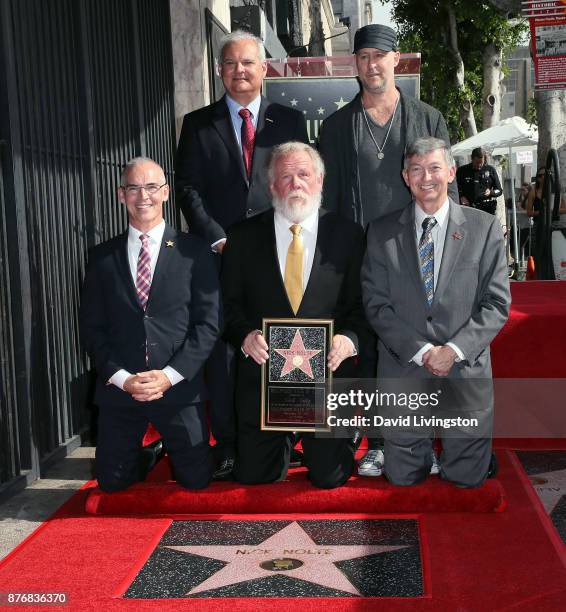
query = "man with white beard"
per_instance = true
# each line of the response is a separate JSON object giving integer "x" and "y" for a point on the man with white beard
{"x": 293, "y": 261}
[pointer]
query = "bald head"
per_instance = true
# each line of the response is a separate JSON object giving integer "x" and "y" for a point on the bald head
{"x": 143, "y": 191}
{"x": 134, "y": 162}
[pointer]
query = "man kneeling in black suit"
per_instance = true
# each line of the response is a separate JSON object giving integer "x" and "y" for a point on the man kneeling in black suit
{"x": 260, "y": 279}
{"x": 150, "y": 316}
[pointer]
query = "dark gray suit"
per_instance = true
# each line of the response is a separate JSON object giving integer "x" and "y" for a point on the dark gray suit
{"x": 471, "y": 304}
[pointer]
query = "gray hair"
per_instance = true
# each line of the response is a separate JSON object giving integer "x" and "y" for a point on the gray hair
{"x": 422, "y": 146}
{"x": 288, "y": 148}
{"x": 237, "y": 36}
{"x": 134, "y": 162}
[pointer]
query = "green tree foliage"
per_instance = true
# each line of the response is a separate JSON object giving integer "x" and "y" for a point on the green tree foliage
{"x": 424, "y": 27}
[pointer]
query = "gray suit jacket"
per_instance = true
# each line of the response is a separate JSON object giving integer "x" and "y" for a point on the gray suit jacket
{"x": 471, "y": 301}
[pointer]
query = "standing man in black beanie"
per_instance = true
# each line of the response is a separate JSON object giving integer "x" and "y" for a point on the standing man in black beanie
{"x": 363, "y": 146}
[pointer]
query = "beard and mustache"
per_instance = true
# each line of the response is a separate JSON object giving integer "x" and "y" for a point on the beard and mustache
{"x": 297, "y": 205}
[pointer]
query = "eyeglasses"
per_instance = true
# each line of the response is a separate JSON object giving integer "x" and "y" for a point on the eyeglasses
{"x": 151, "y": 188}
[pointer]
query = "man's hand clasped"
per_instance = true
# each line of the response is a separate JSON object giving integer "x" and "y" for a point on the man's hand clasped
{"x": 147, "y": 386}
{"x": 439, "y": 360}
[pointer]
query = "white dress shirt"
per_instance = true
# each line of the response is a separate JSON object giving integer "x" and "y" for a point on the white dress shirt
{"x": 284, "y": 237}
{"x": 134, "y": 248}
{"x": 438, "y": 233}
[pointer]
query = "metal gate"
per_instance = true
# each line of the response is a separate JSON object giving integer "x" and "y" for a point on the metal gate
{"x": 84, "y": 86}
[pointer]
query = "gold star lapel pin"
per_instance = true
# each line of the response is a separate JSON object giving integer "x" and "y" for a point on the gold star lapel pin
{"x": 169, "y": 243}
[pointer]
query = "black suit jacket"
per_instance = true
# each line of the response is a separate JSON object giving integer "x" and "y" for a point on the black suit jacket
{"x": 253, "y": 288}
{"x": 211, "y": 185}
{"x": 181, "y": 322}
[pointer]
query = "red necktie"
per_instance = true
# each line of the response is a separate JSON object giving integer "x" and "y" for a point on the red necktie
{"x": 248, "y": 138}
{"x": 143, "y": 276}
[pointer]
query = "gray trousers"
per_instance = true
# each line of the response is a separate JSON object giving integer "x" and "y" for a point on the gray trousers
{"x": 463, "y": 461}
{"x": 466, "y": 449}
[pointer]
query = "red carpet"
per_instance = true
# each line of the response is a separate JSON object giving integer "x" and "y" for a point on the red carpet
{"x": 531, "y": 344}
{"x": 294, "y": 495}
{"x": 474, "y": 560}
{"x": 482, "y": 561}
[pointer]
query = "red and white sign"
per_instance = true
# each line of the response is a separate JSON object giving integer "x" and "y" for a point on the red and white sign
{"x": 548, "y": 38}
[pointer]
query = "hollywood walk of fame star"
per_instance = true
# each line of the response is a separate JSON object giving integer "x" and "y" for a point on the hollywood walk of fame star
{"x": 550, "y": 487}
{"x": 284, "y": 548}
{"x": 297, "y": 356}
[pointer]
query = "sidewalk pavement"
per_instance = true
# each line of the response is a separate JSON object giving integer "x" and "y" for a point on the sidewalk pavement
{"x": 25, "y": 511}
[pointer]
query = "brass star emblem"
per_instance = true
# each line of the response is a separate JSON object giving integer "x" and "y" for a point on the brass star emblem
{"x": 169, "y": 243}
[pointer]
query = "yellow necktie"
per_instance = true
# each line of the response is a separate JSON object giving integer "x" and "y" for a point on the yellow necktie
{"x": 294, "y": 268}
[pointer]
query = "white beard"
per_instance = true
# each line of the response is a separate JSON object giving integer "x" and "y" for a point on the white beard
{"x": 297, "y": 211}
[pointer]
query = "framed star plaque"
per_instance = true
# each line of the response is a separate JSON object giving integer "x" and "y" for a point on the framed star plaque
{"x": 295, "y": 379}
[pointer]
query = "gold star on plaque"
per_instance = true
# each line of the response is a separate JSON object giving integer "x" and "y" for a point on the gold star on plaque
{"x": 169, "y": 243}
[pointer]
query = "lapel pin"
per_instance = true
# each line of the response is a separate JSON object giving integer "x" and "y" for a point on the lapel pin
{"x": 169, "y": 243}
{"x": 457, "y": 236}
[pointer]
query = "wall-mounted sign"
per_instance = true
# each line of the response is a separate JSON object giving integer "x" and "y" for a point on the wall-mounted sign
{"x": 322, "y": 92}
{"x": 548, "y": 40}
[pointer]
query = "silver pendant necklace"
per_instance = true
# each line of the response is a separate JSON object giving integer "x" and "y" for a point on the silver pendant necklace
{"x": 380, "y": 153}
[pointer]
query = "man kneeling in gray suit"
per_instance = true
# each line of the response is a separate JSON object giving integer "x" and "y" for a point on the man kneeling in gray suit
{"x": 436, "y": 291}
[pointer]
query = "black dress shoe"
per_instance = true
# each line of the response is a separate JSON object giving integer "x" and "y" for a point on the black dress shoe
{"x": 150, "y": 455}
{"x": 357, "y": 438}
{"x": 493, "y": 467}
{"x": 224, "y": 469}
{"x": 296, "y": 459}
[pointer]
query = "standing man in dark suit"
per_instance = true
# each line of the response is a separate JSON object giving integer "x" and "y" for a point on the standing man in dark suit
{"x": 150, "y": 315}
{"x": 436, "y": 292}
{"x": 221, "y": 179}
{"x": 362, "y": 146}
{"x": 259, "y": 280}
